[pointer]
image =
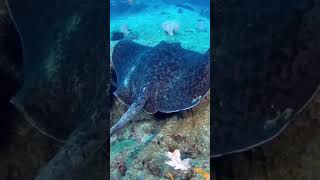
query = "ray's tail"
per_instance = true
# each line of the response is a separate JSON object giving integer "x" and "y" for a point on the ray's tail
{"x": 133, "y": 110}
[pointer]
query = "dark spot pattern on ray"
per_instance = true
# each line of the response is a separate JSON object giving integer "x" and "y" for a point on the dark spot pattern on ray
{"x": 165, "y": 78}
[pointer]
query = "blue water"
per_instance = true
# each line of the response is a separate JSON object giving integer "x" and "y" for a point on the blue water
{"x": 142, "y": 22}
{"x": 124, "y": 6}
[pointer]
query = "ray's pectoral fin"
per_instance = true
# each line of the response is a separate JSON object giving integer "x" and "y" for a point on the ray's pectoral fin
{"x": 133, "y": 110}
{"x": 208, "y": 55}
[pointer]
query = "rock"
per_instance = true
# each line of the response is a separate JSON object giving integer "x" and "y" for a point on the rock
{"x": 205, "y": 12}
{"x": 118, "y": 7}
{"x": 122, "y": 169}
{"x": 185, "y": 6}
{"x": 145, "y": 147}
{"x": 153, "y": 168}
{"x": 133, "y": 35}
{"x": 116, "y": 36}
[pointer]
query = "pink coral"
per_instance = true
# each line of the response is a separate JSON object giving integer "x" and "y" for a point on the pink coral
{"x": 176, "y": 162}
{"x": 171, "y": 27}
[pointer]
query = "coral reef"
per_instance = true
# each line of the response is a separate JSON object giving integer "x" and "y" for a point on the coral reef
{"x": 143, "y": 145}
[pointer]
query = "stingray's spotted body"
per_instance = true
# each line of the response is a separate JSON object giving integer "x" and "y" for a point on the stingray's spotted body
{"x": 165, "y": 78}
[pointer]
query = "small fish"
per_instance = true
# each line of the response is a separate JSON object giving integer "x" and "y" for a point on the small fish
{"x": 202, "y": 173}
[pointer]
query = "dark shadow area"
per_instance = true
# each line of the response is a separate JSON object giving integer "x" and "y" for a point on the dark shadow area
{"x": 53, "y": 76}
{"x": 264, "y": 73}
{"x": 266, "y": 69}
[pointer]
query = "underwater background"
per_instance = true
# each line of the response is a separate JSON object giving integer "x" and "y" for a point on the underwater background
{"x": 142, "y": 22}
{"x": 139, "y": 151}
{"x": 268, "y": 52}
{"x": 51, "y": 87}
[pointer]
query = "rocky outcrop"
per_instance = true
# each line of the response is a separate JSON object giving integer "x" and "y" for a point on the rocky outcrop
{"x": 143, "y": 145}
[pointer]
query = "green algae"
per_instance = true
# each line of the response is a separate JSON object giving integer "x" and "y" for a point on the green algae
{"x": 120, "y": 147}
